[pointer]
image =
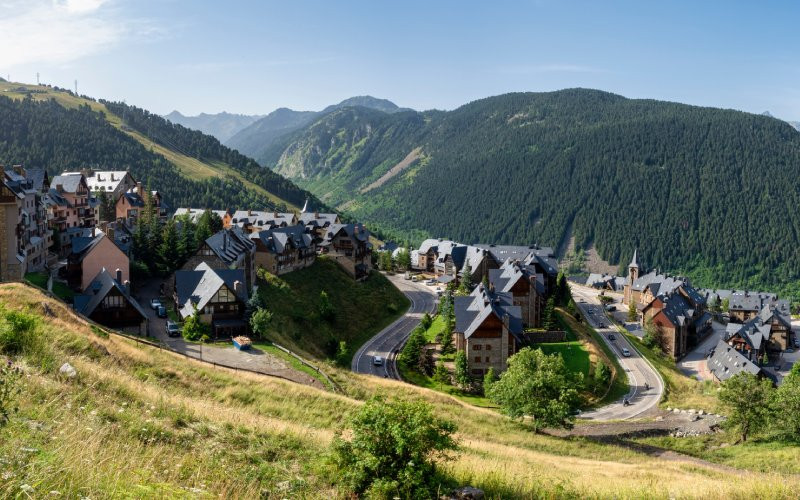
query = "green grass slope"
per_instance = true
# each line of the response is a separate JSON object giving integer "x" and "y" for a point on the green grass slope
{"x": 359, "y": 310}
{"x": 137, "y": 422}
{"x": 58, "y": 130}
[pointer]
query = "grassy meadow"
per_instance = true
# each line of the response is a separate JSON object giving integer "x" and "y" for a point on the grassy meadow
{"x": 137, "y": 422}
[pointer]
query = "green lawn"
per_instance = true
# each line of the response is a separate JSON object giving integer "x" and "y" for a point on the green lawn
{"x": 576, "y": 357}
{"x": 421, "y": 380}
{"x": 435, "y": 329}
{"x": 60, "y": 290}
{"x": 359, "y": 310}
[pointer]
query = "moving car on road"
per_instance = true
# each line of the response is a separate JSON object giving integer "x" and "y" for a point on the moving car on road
{"x": 626, "y": 352}
{"x": 611, "y": 336}
{"x": 377, "y": 361}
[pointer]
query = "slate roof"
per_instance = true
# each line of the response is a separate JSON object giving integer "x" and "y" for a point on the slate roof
{"x": 230, "y": 245}
{"x": 472, "y": 311}
{"x": 37, "y": 176}
{"x": 356, "y": 232}
{"x": 243, "y": 218}
{"x": 69, "y": 182}
{"x": 199, "y": 286}
{"x": 54, "y": 198}
{"x": 677, "y": 309}
{"x": 509, "y": 274}
{"x": 726, "y": 362}
{"x": 316, "y": 219}
{"x": 97, "y": 290}
{"x": 277, "y": 239}
{"x": 428, "y": 245}
{"x": 743, "y": 300}
{"x": 107, "y": 180}
{"x": 501, "y": 253}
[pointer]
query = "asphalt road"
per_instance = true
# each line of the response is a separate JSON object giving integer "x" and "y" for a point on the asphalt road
{"x": 390, "y": 339}
{"x": 640, "y": 373}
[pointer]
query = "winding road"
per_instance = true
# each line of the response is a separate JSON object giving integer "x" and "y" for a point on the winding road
{"x": 389, "y": 340}
{"x": 646, "y": 386}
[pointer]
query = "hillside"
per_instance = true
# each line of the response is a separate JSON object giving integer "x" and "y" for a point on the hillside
{"x": 55, "y": 129}
{"x": 358, "y": 310}
{"x": 257, "y": 140}
{"x": 703, "y": 191}
{"x": 179, "y": 428}
{"x": 223, "y": 125}
{"x": 795, "y": 125}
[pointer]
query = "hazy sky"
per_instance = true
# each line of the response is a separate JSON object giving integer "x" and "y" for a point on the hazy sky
{"x": 255, "y": 56}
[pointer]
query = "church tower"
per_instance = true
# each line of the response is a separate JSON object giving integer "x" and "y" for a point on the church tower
{"x": 633, "y": 275}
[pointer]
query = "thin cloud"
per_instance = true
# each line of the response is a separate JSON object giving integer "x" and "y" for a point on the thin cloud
{"x": 60, "y": 31}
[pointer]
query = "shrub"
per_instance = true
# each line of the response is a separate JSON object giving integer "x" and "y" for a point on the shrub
{"x": 17, "y": 332}
{"x": 194, "y": 329}
{"x": 260, "y": 320}
{"x": 393, "y": 449}
{"x": 326, "y": 310}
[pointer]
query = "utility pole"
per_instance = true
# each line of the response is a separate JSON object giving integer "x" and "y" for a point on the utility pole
{"x": 37, "y": 78}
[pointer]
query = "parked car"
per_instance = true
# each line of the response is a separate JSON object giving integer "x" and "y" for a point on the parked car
{"x": 161, "y": 312}
{"x": 173, "y": 330}
{"x": 789, "y": 350}
{"x": 611, "y": 336}
{"x": 611, "y": 308}
{"x": 155, "y": 304}
{"x": 797, "y": 342}
{"x": 407, "y": 275}
{"x": 626, "y": 352}
{"x": 431, "y": 282}
{"x": 377, "y": 361}
{"x": 415, "y": 278}
{"x": 601, "y": 325}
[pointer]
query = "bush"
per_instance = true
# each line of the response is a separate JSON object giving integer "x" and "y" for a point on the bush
{"x": 17, "y": 332}
{"x": 427, "y": 321}
{"x": 194, "y": 329}
{"x": 326, "y": 310}
{"x": 393, "y": 449}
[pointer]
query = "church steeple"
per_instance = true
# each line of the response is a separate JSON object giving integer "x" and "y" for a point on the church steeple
{"x": 633, "y": 267}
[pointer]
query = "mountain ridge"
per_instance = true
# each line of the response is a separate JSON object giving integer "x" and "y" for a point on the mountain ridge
{"x": 525, "y": 168}
{"x": 259, "y": 137}
{"x": 221, "y": 125}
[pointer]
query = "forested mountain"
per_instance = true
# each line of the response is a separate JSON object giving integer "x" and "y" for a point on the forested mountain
{"x": 709, "y": 192}
{"x": 51, "y": 128}
{"x": 223, "y": 125}
{"x": 258, "y": 139}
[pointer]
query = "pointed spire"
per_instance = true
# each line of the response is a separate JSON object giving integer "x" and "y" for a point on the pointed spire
{"x": 633, "y": 260}
{"x": 305, "y": 206}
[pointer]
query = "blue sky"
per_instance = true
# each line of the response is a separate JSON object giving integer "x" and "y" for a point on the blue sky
{"x": 255, "y": 56}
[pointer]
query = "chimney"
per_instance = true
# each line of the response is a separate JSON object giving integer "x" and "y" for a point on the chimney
{"x": 60, "y": 188}
{"x": 506, "y": 320}
{"x": 19, "y": 170}
{"x": 355, "y": 229}
{"x": 109, "y": 230}
{"x": 127, "y": 287}
{"x": 112, "y": 177}
{"x": 275, "y": 214}
{"x": 316, "y": 214}
{"x": 237, "y": 288}
{"x": 139, "y": 188}
{"x": 249, "y": 213}
{"x": 119, "y": 276}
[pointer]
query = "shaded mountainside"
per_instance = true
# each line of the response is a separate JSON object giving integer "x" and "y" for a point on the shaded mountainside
{"x": 705, "y": 191}
{"x": 258, "y": 139}
{"x": 54, "y": 129}
{"x": 223, "y": 125}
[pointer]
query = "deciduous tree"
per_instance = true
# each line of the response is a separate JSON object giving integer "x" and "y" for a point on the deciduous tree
{"x": 746, "y": 400}
{"x": 537, "y": 386}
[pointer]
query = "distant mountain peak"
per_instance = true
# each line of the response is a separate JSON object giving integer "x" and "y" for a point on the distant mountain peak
{"x": 367, "y": 101}
{"x": 767, "y": 113}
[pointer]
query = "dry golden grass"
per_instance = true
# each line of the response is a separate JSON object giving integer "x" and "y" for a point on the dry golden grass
{"x": 139, "y": 422}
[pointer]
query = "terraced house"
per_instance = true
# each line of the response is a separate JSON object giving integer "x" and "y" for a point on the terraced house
{"x": 349, "y": 246}
{"x": 227, "y": 249}
{"x": 526, "y": 286}
{"x": 218, "y": 296}
{"x": 131, "y": 204}
{"x": 768, "y": 332}
{"x": 24, "y": 229}
{"x": 488, "y": 329}
{"x": 284, "y": 249}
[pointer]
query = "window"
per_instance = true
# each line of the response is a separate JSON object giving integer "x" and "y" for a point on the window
{"x": 206, "y": 251}
{"x": 112, "y": 301}
{"x": 477, "y": 371}
{"x": 477, "y": 347}
{"x": 488, "y": 347}
{"x": 477, "y": 359}
{"x": 487, "y": 359}
{"x": 224, "y": 295}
